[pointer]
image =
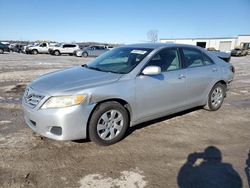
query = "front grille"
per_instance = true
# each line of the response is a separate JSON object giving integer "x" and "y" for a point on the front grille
{"x": 32, "y": 98}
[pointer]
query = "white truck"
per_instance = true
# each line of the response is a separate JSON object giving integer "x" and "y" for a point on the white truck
{"x": 42, "y": 48}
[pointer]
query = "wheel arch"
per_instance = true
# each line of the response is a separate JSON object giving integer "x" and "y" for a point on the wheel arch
{"x": 55, "y": 51}
{"x": 222, "y": 82}
{"x": 86, "y": 53}
{"x": 119, "y": 100}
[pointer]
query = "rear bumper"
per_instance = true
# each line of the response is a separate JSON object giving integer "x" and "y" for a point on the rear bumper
{"x": 5, "y": 49}
{"x": 59, "y": 124}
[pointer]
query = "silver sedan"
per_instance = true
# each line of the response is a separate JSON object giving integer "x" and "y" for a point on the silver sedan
{"x": 92, "y": 51}
{"x": 123, "y": 87}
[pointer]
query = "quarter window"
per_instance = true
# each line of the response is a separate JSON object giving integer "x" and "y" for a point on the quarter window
{"x": 167, "y": 59}
{"x": 207, "y": 60}
{"x": 193, "y": 58}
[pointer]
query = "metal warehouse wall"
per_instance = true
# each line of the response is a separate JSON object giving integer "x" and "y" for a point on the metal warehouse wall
{"x": 224, "y": 44}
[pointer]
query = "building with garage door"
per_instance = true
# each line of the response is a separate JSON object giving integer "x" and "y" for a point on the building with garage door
{"x": 224, "y": 44}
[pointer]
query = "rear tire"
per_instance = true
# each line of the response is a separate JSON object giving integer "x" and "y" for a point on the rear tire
{"x": 108, "y": 123}
{"x": 1, "y": 51}
{"x": 216, "y": 97}
{"x": 85, "y": 54}
{"x": 57, "y": 53}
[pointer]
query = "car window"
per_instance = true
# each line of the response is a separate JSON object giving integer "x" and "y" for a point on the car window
{"x": 193, "y": 58}
{"x": 207, "y": 60}
{"x": 167, "y": 59}
{"x": 68, "y": 46}
{"x": 43, "y": 45}
{"x": 119, "y": 60}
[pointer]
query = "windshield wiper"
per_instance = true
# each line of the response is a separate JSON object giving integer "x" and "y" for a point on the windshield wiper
{"x": 102, "y": 70}
{"x": 94, "y": 68}
{"x": 116, "y": 72}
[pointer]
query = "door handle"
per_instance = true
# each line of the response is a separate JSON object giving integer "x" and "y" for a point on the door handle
{"x": 181, "y": 76}
{"x": 214, "y": 69}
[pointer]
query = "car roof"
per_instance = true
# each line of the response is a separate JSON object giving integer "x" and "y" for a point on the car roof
{"x": 158, "y": 45}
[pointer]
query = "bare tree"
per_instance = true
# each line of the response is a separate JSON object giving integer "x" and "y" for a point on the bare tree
{"x": 153, "y": 35}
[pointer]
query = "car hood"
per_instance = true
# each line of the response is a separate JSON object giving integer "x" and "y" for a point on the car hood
{"x": 72, "y": 80}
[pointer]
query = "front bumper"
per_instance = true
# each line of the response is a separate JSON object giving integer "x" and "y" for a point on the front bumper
{"x": 68, "y": 123}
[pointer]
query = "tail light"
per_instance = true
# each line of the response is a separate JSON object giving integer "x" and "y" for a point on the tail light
{"x": 232, "y": 69}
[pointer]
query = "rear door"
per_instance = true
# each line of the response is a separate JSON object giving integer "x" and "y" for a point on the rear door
{"x": 201, "y": 73}
{"x": 71, "y": 48}
{"x": 65, "y": 48}
{"x": 98, "y": 50}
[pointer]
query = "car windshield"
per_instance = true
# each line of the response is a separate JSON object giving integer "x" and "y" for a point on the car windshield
{"x": 119, "y": 60}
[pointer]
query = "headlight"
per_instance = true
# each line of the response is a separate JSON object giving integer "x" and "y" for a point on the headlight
{"x": 63, "y": 101}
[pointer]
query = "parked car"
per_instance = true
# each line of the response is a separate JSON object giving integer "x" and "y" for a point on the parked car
{"x": 42, "y": 48}
{"x": 123, "y": 87}
{"x": 3, "y": 48}
{"x": 17, "y": 48}
{"x": 23, "y": 49}
{"x": 93, "y": 51}
{"x": 64, "y": 49}
{"x": 239, "y": 52}
{"x": 212, "y": 49}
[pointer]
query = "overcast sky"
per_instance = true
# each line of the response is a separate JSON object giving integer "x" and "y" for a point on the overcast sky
{"x": 121, "y": 21}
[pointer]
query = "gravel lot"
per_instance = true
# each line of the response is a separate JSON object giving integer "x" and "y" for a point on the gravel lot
{"x": 153, "y": 154}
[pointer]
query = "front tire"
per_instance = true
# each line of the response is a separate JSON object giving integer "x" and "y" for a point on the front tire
{"x": 108, "y": 123}
{"x": 216, "y": 97}
{"x": 1, "y": 51}
{"x": 34, "y": 52}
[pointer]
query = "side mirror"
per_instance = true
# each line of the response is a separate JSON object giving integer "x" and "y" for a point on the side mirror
{"x": 151, "y": 70}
